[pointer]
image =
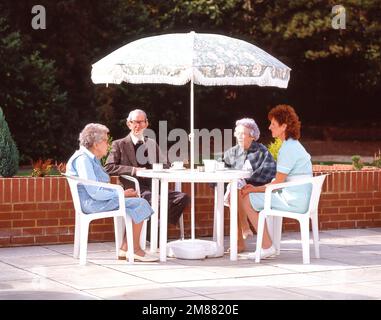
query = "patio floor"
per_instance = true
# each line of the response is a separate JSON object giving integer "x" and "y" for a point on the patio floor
{"x": 349, "y": 268}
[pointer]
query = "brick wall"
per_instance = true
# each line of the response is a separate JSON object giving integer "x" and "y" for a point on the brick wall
{"x": 350, "y": 199}
{"x": 40, "y": 211}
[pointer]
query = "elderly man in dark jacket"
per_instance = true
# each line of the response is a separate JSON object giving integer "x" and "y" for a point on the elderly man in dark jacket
{"x": 130, "y": 154}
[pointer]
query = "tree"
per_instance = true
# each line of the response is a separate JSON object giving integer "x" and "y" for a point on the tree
{"x": 335, "y": 73}
{"x": 78, "y": 33}
{"x": 31, "y": 99}
{"x": 9, "y": 155}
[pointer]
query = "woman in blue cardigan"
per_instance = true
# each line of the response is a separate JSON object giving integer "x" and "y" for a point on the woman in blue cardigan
{"x": 85, "y": 163}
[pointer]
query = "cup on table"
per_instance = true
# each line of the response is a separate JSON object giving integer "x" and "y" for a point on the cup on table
{"x": 201, "y": 169}
{"x": 220, "y": 165}
{"x": 177, "y": 165}
{"x": 157, "y": 167}
{"x": 210, "y": 165}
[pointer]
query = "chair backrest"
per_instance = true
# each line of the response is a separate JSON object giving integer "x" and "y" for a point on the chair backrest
{"x": 73, "y": 185}
{"x": 317, "y": 184}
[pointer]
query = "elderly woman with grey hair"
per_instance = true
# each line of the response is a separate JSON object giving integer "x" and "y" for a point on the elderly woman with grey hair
{"x": 85, "y": 163}
{"x": 250, "y": 155}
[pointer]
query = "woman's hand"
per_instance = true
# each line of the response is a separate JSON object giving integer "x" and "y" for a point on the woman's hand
{"x": 246, "y": 189}
{"x": 130, "y": 193}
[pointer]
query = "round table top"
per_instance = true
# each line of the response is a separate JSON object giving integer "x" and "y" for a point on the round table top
{"x": 225, "y": 175}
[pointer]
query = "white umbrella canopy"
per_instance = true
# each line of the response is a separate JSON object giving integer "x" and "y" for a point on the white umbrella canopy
{"x": 204, "y": 59}
{"x": 208, "y": 59}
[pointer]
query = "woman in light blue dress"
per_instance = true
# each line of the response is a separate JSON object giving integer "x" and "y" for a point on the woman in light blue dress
{"x": 293, "y": 163}
{"x": 85, "y": 164}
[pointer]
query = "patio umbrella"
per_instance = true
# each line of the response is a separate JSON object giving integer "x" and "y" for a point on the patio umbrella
{"x": 204, "y": 59}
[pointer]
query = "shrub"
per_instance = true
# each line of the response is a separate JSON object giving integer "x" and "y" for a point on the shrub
{"x": 34, "y": 103}
{"x": 274, "y": 148}
{"x": 9, "y": 155}
{"x": 109, "y": 143}
{"x": 357, "y": 163}
{"x": 42, "y": 168}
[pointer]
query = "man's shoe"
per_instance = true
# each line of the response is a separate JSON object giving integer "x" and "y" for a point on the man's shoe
{"x": 146, "y": 258}
{"x": 265, "y": 253}
{"x": 122, "y": 254}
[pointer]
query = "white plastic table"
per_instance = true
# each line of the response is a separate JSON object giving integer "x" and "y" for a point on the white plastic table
{"x": 194, "y": 176}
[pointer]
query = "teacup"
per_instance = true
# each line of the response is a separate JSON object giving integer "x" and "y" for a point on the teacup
{"x": 177, "y": 165}
{"x": 220, "y": 165}
{"x": 157, "y": 167}
{"x": 210, "y": 165}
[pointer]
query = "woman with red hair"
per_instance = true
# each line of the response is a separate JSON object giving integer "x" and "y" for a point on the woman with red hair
{"x": 293, "y": 163}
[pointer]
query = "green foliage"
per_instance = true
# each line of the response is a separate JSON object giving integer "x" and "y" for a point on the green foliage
{"x": 109, "y": 143}
{"x": 302, "y": 29}
{"x": 48, "y": 101}
{"x": 31, "y": 99}
{"x": 274, "y": 147}
{"x": 357, "y": 163}
{"x": 9, "y": 155}
{"x": 197, "y": 14}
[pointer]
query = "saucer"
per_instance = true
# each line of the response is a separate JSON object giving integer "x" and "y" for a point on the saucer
{"x": 178, "y": 168}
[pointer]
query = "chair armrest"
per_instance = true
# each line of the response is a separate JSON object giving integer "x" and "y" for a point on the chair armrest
{"x": 134, "y": 180}
{"x": 271, "y": 187}
{"x": 116, "y": 187}
{"x": 95, "y": 183}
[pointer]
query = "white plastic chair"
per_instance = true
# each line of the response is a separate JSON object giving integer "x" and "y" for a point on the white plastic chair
{"x": 83, "y": 220}
{"x": 303, "y": 218}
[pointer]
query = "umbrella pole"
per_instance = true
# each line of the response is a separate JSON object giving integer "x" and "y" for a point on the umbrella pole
{"x": 192, "y": 123}
{"x": 192, "y": 158}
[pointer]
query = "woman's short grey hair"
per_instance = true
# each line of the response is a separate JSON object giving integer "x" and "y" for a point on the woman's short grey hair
{"x": 251, "y": 125}
{"x": 92, "y": 133}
